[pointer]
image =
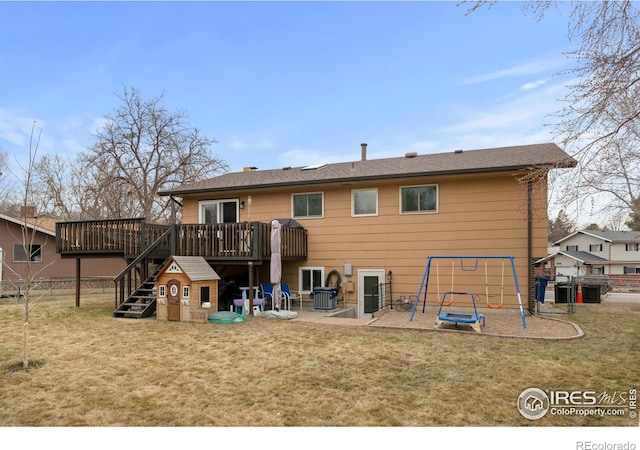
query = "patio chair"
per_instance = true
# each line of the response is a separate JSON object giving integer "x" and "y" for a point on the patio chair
{"x": 292, "y": 296}
{"x": 267, "y": 294}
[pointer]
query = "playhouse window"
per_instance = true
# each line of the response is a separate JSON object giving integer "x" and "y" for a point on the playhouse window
{"x": 204, "y": 294}
{"x": 185, "y": 291}
{"x": 162, "y": 290}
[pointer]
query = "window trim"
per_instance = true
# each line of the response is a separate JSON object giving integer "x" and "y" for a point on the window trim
{"x": 28, "y": 258}
{"x": 293, "y": 215}
{"x": 309, "y": 268}
{"x": 186, "y": 291}
{"x": 353, "y": 203}
{"x": 436, "y": 211}
{"x": 218, "y": 202}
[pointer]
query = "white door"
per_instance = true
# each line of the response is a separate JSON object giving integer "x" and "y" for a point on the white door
{"x": 368, "y": 292}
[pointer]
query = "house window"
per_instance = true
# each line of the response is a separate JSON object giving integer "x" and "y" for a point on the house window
{"x": 308, "y": 205}
{"x": 419, "y": 199}
{"x": 218, "y": 211}
{"x": 629, "y": 270}
{"x": 310, "y": 277}
{"x": 185, "y": 291}
{"x": 634, "y": 247}
{"x": 364, "y": 202}
{"x": 162, "y": 291}
{"x": 595, "y": 247}
{"x": 204, "y": 294}
{"x": 27, "y": 253}
{"x": 597, "y": 270}
{"x": 572, "y": 248}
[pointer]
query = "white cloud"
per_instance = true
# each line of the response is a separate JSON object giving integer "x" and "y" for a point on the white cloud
{"x": 533, "y": 85}
{"x": 539, "y": 65}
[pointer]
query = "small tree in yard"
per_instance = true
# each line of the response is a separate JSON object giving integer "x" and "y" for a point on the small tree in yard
{"x": 26, "y": 280}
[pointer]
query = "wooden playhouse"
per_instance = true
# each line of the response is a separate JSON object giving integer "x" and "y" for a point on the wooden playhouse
{"x": 187, "y": 289}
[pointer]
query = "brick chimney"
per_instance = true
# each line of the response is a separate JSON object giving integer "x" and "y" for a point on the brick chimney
{"x": 364, "y": 151}
{"x": 28, "y": 212}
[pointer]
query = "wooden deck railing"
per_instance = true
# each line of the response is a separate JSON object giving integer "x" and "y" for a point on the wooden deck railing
{"x": 130, "y": 237}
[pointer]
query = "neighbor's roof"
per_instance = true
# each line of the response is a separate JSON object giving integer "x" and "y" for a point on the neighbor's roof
{"x": 195, "y": 267}
{"x": 607, "y": 236}
{"x": 20, "y": 222}
{"x": 578, "y": 255}
{"x": 458, "y": 162}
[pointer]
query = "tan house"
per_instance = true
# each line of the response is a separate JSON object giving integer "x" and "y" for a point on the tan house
{"x": 377, "y": 221}
{"x": 367, "y": 225}
{"x": 186, "y": 289}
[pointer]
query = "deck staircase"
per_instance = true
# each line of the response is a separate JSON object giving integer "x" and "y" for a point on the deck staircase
{"x": 141, "y": 304}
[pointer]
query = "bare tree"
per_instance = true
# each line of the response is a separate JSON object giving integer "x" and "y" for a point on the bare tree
{"x": 562, "y": 226}
{"x": 25, "y": 281}
{"x": 141, "y": 150}
{"x": 600, "y": 121}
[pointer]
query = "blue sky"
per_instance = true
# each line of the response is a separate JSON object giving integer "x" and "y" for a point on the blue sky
{"x": 286, "y": 83}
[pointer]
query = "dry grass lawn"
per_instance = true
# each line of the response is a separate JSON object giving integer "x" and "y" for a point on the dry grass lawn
{"x": 95, "y": 370}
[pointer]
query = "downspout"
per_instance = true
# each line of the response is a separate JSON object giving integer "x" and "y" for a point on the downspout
{"x": 529, "y": 240}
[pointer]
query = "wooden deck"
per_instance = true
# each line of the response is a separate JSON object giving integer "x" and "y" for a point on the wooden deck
{"x": 244, "y": 241}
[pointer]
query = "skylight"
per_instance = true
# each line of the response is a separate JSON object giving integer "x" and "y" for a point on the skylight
{"x": 314, "y": 167}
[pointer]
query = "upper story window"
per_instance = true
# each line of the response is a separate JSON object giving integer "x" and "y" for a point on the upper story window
{"x": 633, "y": 247}
{"x": 309, "y": 205}
{"x": 218, "y": 211}
{"x": 572, "y": 248}
{"x": 364, "y": 202}
{"x": 27, "y": 253}
{"x": 419, "y": 199}
{"x": 595, "y": 247}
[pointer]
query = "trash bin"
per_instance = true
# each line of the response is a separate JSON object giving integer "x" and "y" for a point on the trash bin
{"x": 541, "y": 288}
{"x": 591, "y": 293}
{"x": 565, "y": 293}
{"x": 324, "y": 298}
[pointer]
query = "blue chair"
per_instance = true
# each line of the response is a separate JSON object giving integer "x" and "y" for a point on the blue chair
{"x": 267, "y": 294}
{"x": 292, "y": 296}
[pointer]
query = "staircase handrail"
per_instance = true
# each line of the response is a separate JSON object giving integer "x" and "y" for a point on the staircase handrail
{"x": 118, "y": 280}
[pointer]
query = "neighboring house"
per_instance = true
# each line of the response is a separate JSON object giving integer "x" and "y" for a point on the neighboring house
{"x": 373, "y": 221}
{"x": 593, "y": 252}
{"x": 45, "y": 263}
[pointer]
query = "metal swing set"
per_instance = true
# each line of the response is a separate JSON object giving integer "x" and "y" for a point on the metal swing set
{"x": 475, "y": 319}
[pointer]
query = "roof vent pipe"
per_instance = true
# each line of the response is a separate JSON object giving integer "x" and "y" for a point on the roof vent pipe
{"x": 364, "y": 151}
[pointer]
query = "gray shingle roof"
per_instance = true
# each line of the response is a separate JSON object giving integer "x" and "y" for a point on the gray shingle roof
{"x": 459, "y": 162}
{"x": 195, "y": 267}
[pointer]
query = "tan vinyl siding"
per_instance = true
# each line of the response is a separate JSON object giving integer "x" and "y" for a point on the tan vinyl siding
{"x": 477, "y": 215}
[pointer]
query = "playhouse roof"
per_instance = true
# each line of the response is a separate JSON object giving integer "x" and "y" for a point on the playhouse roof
{"x": 195, "y": 267}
